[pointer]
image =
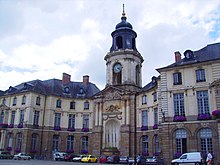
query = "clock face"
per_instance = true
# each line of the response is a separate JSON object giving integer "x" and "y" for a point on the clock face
{"x": 117, "y": 68}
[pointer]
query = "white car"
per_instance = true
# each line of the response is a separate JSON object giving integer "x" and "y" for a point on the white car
{"x": 78, "y": 158}
{"x": 22, "y": 156}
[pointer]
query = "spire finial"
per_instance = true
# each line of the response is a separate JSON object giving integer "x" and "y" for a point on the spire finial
{"x": 123, "y": 12}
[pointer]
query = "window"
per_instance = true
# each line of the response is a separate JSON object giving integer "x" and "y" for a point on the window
{"x": 57, "y": 119}
{"x": 2, "y": 117}
{"x": 21, "y": 117}
{"x": 84, "y": 141}
{"x": 70, "y": 142}
{"x": 144, "y": 144}
{"x": 85, "y": 121}
{"x": 38, "y": 100}
{"x": 156, "y": 144}
{"x": 33, "y": 141}
{"x": 86, "y": 105}
{"x": 181, "y": 141}
{"x": 14, "y": 101}
{"x": 203, "y": 102}
{"x": 155, "y": 116}
{"x": 200, "y": 75}
{"x": 177, "y": 78}
{"x": 119, "y": 42}
{"x": 72, "y": 105}
{"x": 36, "y": 118}
{"x": 58, "y": 103}
{"x": 71, "y": 123}
{"x": 206, "y": 140}
{"x": 55, "y": 146}
{"x": 144, "y": 99}
{"x": 12, "y": 117}
{"x": 178, "y": 99}
{"x": 154, "y": 96}
{"x": 144, "y": 120}
{"x": 19, "y": 141}
{"x": 23, "y": 100}
{"x": 10, "y": 140}
{"x": 4, "y": 101}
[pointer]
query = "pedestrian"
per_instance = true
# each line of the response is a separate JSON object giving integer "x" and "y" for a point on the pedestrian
{"x": 209, "y": 158}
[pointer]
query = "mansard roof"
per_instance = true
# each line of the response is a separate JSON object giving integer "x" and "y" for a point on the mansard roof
{"x": 209, "y": 53}
{"x": 151, "y": 85}
{"x": 55, "y": 87}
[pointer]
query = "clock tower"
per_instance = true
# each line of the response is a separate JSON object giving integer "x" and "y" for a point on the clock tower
{"x": 123, "y": 62}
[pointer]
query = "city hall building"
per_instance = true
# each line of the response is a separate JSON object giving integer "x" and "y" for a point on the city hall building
{"x": 176, "y": 112}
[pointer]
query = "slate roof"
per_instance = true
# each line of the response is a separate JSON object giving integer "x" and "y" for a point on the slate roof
{"x": 55, "y": 87}
{"x": 151, "y": 84}
{"x": 209, "y": 53}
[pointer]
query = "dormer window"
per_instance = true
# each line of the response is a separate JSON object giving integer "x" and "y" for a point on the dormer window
{"x": 188, "y": 54}
{"x": 66, "y": 90}
{"x": 81, "y": 91}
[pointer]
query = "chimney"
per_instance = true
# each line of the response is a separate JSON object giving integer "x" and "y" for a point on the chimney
{"x": 85, "y": 79}
{"x": 177, "y": 56}
{"x": 66, "y": 79}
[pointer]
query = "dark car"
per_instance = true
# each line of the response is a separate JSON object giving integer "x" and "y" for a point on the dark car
{"x": 155, "y": 161}
{"x": 113, "y": 159}
{"x": 68, "y": 157}
{"x": 5, "y": 155}
{"x": 103, "y": 159}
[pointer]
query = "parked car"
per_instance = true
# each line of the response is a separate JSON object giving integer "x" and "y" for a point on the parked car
{"x": 113, "y": 159}
{"x": 123, "y": 159}
{"x": 22, "y": 156}
{"x": 155, "y": 161}
{"x": 89, "y": 159}
{"x": 103, "y": 159}
{"x": 59, "y": 156}
{"x": 190, "y": 157}
{"x": 69, "y": 157}
{"x": 5, "y": 155}
{"x": 130, "y": 160}
{"x": 78, "y": 158}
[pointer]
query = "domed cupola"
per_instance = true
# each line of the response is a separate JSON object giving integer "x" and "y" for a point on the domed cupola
{"x": 123, "y": 36}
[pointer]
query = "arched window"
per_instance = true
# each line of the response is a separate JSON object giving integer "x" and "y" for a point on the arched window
{"x": 55, "y": 146}
{"x": 70, "y": 143}
{"x": 119, "y": 42}
{"x": 206, "y": 140}
{"x": 145, "y": 145}
{"x": 181, "y": 141}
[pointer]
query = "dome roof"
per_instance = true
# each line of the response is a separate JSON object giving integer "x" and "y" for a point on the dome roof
{"x": 123, "y": 23}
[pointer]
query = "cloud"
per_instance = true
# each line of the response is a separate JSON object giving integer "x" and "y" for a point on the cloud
{"x": 43, "y": 39}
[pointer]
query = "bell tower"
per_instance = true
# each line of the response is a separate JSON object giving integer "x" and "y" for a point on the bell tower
{"x": 123, "y": 62}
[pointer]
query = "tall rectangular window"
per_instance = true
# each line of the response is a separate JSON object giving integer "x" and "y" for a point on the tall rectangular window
{"x": 177, "y": 78}
{"x": 21, "y": 117}
{"x": 200, "y": 75}
{"x": 144, "y": 99}
{"x": 59, "y": 103}
{"x": 154, "y": 96}
{"x": 38, "y": 100}
{"x": 86, "y": 105}
{"x": 178, "y": 99}
{"x": 72, "y": 105}
{"x": 23, "y": 100}
{"x": 144, "y": 144}
{"x": 70, "y": 142}
{"x": 12, "y": 117}
{"x": 85, "y": 121}
{"x": 144, "y": 118}
{"x": 14, "y": 101}
{"x": 71, "y": 123}
{"x": 33, "y": 141}
{"x": 55, "y": 146}
{"x": 2, "y": 117}
{"x": 36, "y": 118}
{"x": 155, "y": 116}
{"x": 203, "y": 102}
{"x": 57, "y": 119}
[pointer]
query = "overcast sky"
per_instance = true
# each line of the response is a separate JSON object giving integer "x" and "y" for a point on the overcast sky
{"x": 41, "y": 39}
